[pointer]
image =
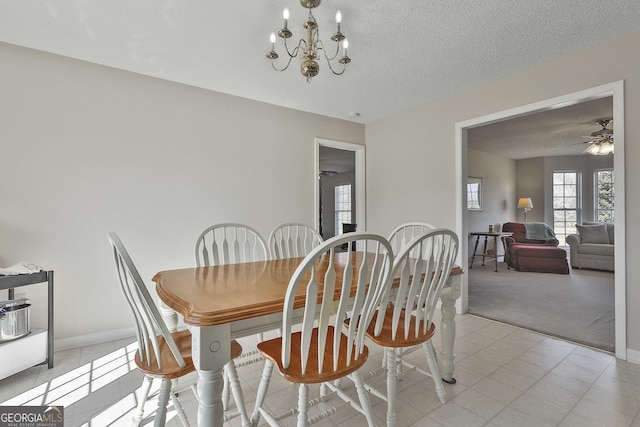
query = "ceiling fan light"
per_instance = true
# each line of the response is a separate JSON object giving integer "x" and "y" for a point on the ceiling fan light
{"x": 593, "y": 149}
{"x": 602, "y": 148}
{"x": 606, "y": 148}
{"x": 602, "y": 140}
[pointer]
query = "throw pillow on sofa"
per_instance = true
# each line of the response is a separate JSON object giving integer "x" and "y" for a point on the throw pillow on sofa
{"x": 593, "y": 233}
{"x": 609, "y": 228}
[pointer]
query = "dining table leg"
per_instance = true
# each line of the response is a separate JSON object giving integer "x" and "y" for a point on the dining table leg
{"x": 211, "y": 350}
{"x": 169, "y": 316}
{"x": 448, "y": 298}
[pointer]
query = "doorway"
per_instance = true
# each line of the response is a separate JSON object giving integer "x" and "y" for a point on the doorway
{"x": 339, "y": 168}
{"x": 616, "y": 90}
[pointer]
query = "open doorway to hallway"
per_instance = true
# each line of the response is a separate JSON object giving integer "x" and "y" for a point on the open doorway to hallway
{"x": 337, "y": 181}
{"x": 339, "y": 201}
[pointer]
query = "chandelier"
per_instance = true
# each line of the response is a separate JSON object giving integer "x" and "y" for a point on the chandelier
{"x": 311, "y": 47}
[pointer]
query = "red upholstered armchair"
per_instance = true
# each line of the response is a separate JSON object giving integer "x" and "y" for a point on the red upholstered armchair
{"x": 520, "y": 236}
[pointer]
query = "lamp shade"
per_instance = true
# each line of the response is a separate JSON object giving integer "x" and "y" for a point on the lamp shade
{"x": 525, "y": 202}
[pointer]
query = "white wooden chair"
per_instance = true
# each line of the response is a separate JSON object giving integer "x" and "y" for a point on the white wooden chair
{"x": 292, "y": 240}
{"x": 398, "y": 239}
{"x": 325, "y": 350}
{"x": 229, "y": 243}
{"x": 161, "y": 354}
{"x": 404, "y": 233}
{"x": 422, "y": 267}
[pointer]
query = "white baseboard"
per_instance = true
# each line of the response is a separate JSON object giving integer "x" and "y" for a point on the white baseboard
{"x": 92, "y": 339}
{"x": 633, "y": 356}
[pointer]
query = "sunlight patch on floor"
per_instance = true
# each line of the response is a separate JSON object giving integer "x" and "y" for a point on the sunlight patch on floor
{"x": 70, "y": 387}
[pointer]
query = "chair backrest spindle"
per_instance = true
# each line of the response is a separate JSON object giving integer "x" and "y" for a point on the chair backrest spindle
{"x": 292, "y": 240}
{"x": 229, "y": 243}
{"x": 404, "y": 233}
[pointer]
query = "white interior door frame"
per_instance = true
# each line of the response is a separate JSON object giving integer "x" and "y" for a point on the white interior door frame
{"x": 359, "y": 174}
{"x": 615, "y": 89}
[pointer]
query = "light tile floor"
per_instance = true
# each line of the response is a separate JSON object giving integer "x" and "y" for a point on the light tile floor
{"x": 506, "y": 376}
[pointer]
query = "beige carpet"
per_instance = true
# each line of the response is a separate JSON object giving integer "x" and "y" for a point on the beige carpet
{"x": 578, "y": 307}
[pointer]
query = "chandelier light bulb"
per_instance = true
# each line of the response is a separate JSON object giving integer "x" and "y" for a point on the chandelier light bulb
{"x": 272, "y": 39}
{"x": 338, "y": 17}
{"x": 285, "y": 16}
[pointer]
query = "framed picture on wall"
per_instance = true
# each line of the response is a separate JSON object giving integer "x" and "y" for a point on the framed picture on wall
{"x": 474, "y": 193}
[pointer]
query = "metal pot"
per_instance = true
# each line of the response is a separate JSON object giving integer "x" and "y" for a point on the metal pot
{"x": 14, "y": 319}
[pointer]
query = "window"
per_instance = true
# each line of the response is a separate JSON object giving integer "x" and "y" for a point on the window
{"x": 474, "y": 194}
{"x": 565, "y": 204}
{"x": 603, "y": 185}
{"x": 343, "y": 206}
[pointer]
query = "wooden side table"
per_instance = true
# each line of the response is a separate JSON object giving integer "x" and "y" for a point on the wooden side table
{"x": 484, "y": 253}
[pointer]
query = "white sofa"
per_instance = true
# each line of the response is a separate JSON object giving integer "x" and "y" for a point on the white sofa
{"x": 592, "y": 247}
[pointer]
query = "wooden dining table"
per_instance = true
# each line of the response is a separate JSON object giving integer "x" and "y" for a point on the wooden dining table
{"x": 226, "y": 302}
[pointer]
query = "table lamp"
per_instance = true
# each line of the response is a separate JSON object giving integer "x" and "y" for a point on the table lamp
{"x": 526, "y": 204}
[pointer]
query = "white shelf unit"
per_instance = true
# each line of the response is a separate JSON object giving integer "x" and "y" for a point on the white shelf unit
{"x": 35, "y": 348}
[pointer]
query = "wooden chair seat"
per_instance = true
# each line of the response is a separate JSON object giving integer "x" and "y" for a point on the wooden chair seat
{"x": 168, "y": 368}
{"x": 272, "y": 350}
{"x": 385, "y": 338}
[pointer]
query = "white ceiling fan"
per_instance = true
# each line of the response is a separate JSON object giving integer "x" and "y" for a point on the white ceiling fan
{"x": 601, "y": 141}
{"x": 604, "y": 132}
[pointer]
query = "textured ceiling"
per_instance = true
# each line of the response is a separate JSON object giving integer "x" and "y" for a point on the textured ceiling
{"x": 404, "y": 53}
{"x": 557, "y": 132}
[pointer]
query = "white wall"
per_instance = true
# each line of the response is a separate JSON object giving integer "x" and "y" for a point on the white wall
{"x": 411, "y": 156}
{"x": 498, "y": 193}
{"x": 87, "y": 149}
{"x": 530, "y": 183}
